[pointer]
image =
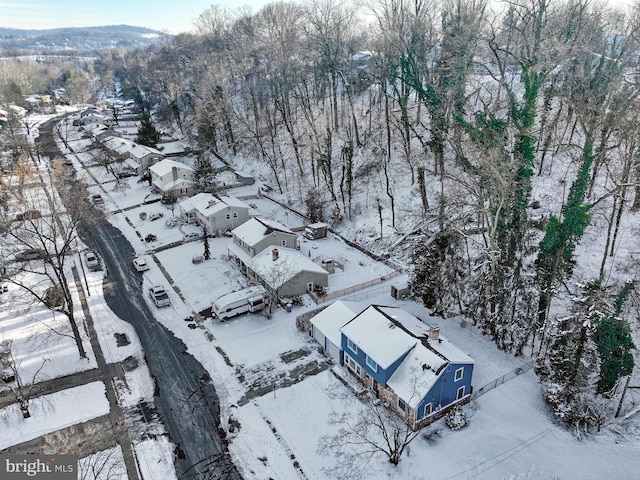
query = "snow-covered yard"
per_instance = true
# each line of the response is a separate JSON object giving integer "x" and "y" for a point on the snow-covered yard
{"x": 511, "y": 434}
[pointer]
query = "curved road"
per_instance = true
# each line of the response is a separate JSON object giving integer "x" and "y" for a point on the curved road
{"x": 185, "y": 400}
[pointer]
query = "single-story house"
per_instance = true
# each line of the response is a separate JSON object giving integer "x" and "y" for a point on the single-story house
{"x": 326, "y": 325}
{"x": 284, "y": 271}
{"x": 172, "y": 178}
{"x": 407, "y": 363}
{"x": 258, "y": 234}
{"x": 217, "y": 214}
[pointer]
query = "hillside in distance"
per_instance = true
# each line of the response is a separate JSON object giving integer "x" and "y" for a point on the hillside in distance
{"x": 74, "y": 40}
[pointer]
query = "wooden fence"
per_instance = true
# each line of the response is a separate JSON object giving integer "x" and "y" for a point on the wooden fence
{"x": 355, "y": 288}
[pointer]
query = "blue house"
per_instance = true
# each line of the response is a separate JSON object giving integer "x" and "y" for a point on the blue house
{"x": 407, "y": 363}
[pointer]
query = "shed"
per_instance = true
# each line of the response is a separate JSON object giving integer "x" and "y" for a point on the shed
{"x": 315, "y": 231}
{"x": 400, "y": 290}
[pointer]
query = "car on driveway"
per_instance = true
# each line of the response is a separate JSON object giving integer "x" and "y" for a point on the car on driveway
{"x": 159, "y": 296}
{"x": 192, "y": 235}
{"x": 91, "y": 260}
{"x": 140, "y": 264}
{"x": 29, "y": 254}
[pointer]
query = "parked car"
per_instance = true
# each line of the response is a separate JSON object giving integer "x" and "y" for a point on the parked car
{"x": 28, "y": 215}
{"x": 140, "y": 264}
{"x": 97, "y": 199}
{"x": 159, "y": 296}
{"x": 156, "y": 216}
{"x": 192, "y": 235}
{"x": 91, "y": 260}
{"x": 29, "y": 254}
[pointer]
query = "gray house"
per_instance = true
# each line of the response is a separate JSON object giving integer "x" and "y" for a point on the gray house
{"x": 217, "y": 214}
{"x": 267, "y": 252}
{"x": 286, "y": 272}
{"x": 257, "y": 234}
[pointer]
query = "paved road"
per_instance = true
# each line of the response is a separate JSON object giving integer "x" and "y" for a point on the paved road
{"x": 187, "y": 404}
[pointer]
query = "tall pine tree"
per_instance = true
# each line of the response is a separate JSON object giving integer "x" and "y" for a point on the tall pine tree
{"x": 147, "y": 133}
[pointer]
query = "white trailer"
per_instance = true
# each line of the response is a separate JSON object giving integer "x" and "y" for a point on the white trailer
{"x": 252, "y": 299}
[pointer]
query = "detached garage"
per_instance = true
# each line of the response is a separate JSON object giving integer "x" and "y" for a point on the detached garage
{"x": 325, "y": 326}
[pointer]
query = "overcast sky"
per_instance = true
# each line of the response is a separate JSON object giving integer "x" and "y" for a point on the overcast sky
{"x": 173, "y": 16}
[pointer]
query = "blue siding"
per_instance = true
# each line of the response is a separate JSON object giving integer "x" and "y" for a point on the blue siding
{"x": 381, "y": 375}
{"x": 445, "y": 390}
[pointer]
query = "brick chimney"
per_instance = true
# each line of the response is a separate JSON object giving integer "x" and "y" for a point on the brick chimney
{"x": 274, "y": 254}
{"x": 174, "y": 172}
{"x": 434, "y": 333}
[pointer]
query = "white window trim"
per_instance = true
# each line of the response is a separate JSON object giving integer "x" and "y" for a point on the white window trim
{"x": 459, "y": 374}
{"x": 352, "y": 346}
{"x": 460, "y": 393}
{"x": 430, "y": 405}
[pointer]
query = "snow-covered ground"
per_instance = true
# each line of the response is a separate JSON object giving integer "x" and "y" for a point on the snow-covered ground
{"x": 511, "y": 434}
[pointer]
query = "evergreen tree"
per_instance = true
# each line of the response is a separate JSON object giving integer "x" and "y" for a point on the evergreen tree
{"x": 437, "y": 274}
{"x": 568, "y": 369}
{"x": 207, "y": 249}
{"x": 613, "y": 338}
{"x": 147, "y": 133}
{"x": 203, "y": 174}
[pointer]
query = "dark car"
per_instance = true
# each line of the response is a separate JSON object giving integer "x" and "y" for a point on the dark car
{"x": 28, "y": 215}
{"x": 30, "y": 254}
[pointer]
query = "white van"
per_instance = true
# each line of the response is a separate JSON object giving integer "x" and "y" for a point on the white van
{"x": 252, "y": 299}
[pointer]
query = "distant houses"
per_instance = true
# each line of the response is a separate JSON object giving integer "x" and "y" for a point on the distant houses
{"x": 417, "y": 372}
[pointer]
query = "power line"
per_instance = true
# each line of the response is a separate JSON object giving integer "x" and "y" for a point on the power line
{"x": 515, "y": 449}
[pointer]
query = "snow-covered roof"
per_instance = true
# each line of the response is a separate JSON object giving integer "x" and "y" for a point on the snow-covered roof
{"x": 420, "y": 330}
{"x": 120, "y": 145}
{"x": 174, "y": 147}
{"x": 253, "y": 231}
{"x": 379, "y": 337}
{"x": 164, "y": 167}
{"x": 288, "y": 264}
{"x": 387, "y": 333}
{"x": 416, "y": 375}
{"x": 331, "y": 319}
{"x": 208, "y": 204}
{"x": 141, "y": 151}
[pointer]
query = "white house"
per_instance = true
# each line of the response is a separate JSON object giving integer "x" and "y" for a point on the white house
{"x": 216, "y": 213}
{"x": 326, "y": 325}
{"x": 172, "y": 178}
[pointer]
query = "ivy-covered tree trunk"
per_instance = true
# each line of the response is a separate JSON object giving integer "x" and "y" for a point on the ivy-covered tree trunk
{"x": 555, "y": 258}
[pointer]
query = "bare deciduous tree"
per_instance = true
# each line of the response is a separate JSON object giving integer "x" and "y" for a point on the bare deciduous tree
{"x": 373, "y": 430}
{"x": 11, "y": 378}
